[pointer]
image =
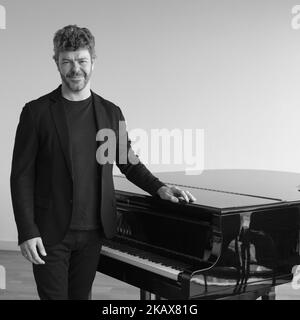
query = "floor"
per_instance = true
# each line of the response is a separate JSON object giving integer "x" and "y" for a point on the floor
{"x": 20, "y": 283}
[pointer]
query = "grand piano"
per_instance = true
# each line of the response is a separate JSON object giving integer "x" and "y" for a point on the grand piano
{"x": 239, "y": 239}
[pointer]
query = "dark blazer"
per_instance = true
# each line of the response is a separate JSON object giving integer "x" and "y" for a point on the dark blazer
{"x": 41, "y": 174}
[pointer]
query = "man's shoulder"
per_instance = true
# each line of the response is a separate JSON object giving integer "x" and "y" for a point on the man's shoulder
{"x": 107, "y": 104}
{"x": 42, "y": 100}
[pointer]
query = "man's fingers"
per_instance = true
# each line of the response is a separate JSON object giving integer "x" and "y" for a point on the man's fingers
{"x": 174, "y": 199}
{"x": 191, "y": 197}
{"x": 170, "y": 197}
{"x": 24, "y": 253}
{"x": 27, "y": 255}
{"x": 29, "y": 250}
{"x": 184, "y": 195}
{"x": 175, "y": 194}
{"x": 41, "y": 247}
{"x": 35, "y": 256}
{"x": 180, "y": 194}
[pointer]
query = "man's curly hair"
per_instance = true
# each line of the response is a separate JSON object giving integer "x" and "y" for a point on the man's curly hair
{"x": 71, "y": 38}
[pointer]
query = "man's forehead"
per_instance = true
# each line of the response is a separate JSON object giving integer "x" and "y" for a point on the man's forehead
{"x": 78, "y": 54}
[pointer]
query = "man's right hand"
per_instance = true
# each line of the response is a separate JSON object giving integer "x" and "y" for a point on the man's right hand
{"x": 29, "y": 250}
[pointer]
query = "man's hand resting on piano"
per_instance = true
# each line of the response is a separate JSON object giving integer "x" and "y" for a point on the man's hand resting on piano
{"x": 175, "y": 194}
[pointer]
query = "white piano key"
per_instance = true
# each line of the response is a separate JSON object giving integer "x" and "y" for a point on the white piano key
{"x": 142, "y": 263}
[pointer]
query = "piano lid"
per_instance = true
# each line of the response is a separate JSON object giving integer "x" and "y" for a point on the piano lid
{"x": 225, "y": 190}
{"x": 262, "y": 183}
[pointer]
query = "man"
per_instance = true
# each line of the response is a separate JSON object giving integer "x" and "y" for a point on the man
{"x": 63, "y": 199}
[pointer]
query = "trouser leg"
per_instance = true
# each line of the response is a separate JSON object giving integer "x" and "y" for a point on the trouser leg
{"x": 70, "y": 267}
{"x": 52, "y": 277}
{"x": 83, "y": 265}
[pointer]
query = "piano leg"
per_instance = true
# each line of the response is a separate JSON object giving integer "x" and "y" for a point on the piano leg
{"x": 146, "y": 295}
{"x": 269, "y": 295}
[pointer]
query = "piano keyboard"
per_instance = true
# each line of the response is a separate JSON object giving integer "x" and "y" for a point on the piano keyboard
{"x": 141, "y": 262}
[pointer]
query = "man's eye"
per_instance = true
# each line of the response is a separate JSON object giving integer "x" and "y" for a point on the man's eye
{"x": 83, "y": 62}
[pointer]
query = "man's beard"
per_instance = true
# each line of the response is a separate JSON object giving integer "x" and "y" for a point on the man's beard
{"x": 78, "y": 85}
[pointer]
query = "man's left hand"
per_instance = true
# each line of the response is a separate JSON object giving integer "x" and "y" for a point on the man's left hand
{"x": 175, "y": 194}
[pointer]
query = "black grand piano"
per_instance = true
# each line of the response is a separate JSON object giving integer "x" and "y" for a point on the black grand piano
{"x": 239, "y": 240}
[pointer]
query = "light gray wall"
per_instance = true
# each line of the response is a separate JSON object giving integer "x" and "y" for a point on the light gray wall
{"x": 230, "y": 67}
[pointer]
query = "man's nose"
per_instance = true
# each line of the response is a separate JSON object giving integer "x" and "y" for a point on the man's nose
{"x": 75, "y": 67}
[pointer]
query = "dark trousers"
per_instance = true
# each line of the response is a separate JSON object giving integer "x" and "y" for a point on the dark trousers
{"x": 70, "y": 267}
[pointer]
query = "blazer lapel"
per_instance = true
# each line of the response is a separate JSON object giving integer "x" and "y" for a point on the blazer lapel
{"x": 100, "y": 114}
{"x": 102, "y": 121}
{"x": 60, "y": 120}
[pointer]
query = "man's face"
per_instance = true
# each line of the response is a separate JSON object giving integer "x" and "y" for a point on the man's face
{"x": 75, "y": 68}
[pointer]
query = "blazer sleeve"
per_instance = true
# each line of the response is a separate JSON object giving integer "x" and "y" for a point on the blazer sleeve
{"x": 22, "y": 178}
{"x": 130, "y": 165}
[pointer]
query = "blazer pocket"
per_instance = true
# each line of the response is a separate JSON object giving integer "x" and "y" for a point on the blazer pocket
{"x": 41, "y": 202}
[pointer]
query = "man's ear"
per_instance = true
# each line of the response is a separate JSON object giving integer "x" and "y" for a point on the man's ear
{"x": 57, "y": 65}
{"x": 93, "y": 63}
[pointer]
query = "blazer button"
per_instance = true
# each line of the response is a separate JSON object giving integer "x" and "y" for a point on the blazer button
{"x": 71, "y": 201}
